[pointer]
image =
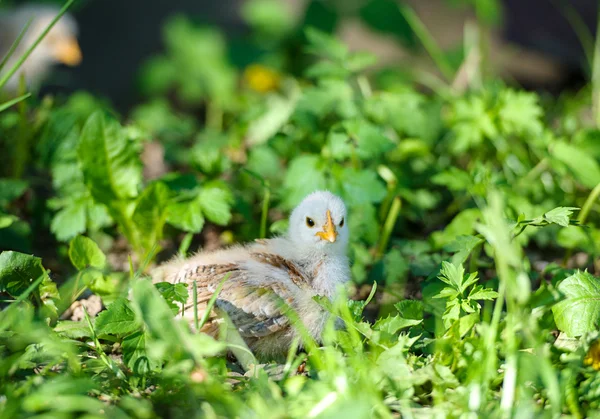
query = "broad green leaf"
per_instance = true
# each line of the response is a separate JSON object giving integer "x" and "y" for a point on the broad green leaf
{"x": 150, "y": 214}
{"x": 135, "y": 354}
{"x": 369, "y": 139}
{"x": 410, "y": 309}
{"x": 395, "y": 267}
{"x": 362, "y": 187}
{"x": 269, "y": 17}
{"x": 18, "y": 271}
{"x": 174, "y": 294}
{"x": 69, "y": 221}
{"x": 585, "y": 168}
{"x": 110, "y": 164}
{"x": 118, "y": 319}
{"x": 266, "y": 162}
{"x": 463, "y": 246}
{"x": 393, "y": 324}
{"x": 186, "y": 215}
{"x": 11, "y": 189}
{"x": 216, "y": 200}
{"x": 340, "y": 145}
{"x": 73, "y": 330}
{"x": 154, "y": 312}
{"x": 6, "y": 220}
{"x": 279, "y": 110}
{"x": 325, "y": 45}
{"x": 579, "y": 312}
{"x": 305, "y": 174}
{"x": 84, "y": 252}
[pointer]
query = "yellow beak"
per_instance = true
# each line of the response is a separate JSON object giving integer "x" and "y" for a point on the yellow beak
{"x": 328, "y": 232}
{"x": 67, "y": 52}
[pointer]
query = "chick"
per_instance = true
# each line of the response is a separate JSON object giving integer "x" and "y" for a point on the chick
{"x": 59, "y": 46}
{"x": 309, "y": 260}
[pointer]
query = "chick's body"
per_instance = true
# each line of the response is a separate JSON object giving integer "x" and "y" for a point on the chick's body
{"x": 263, "y": 275}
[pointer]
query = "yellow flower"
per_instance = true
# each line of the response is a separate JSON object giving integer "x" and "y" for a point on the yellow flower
{"x": 261, "y": 79}
{"x": 593, "y": 356}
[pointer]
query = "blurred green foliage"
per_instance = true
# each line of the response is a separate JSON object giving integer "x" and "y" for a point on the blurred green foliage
{"x": 464, "y": 217}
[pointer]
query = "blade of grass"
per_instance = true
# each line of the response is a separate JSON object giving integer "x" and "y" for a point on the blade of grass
{"x": 212, "y": 300}
{"x": 27, "y": 53}
{"x": 596, "y": 79}
{"x": 14, "y": 101}
{"x": 429, "y": 43}
{"x": 265, "y": 211}
{"x": 196, "y": 321}
{"x": 15, "y": 44}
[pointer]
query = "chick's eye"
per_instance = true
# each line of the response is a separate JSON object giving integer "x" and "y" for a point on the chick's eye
{"x": 342, "y": 222}
{"x": 310, "y": 222}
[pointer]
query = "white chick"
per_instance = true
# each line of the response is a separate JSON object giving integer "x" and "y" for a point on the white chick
{"x": 58, "y": 46}
{"x": 310, "y": 260}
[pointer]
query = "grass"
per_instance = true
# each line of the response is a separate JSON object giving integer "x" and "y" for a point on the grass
{"x": 465, "y": 298}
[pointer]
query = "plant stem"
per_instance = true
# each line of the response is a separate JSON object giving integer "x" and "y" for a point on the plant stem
{"x": 265, "y": 212}
{"x": 389, "y": 226}
{"x": 587, "y": 206}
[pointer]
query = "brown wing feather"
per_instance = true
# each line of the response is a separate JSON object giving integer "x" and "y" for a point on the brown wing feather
{"x": 254, "y": 310}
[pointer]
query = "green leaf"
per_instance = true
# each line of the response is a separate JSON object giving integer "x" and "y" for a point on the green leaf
{"x": 84, "y": 252}
{"x": 393, "y": 324}
{"x": 585, "y": 168}
{"x": 110, "y": 163}
{"x": 73, "y": 330}
{"x": 18, "y": 271}
{"x": 395, "y": 267}
{"x": 362, "y": 187}
{"x": 471, "y": 123}
{"x": 480, "y": 293}
{"x": 150, "y": 214}
{"x": 452, "y": 275}
{"x": 135, "y": 354}
{"x": 304, "y": 175}
{"x": 325, "y": 45}
{"x": 560, "y": 215}
{"x": 11, "y": 189}
{"x": 385, "y": 16}
{"x": 6, "y": 220}
{"x": 369, "y": 139}
{"x": 174, "y": 294}
{"x": 463, "y": 246}
{"x": 340, "y": 145}
{"x": 186, "y": 215}
{"x": 520, "y": 113}
{"x": 410, "y": 309}
{"x": 118, "y": 319}
{"x": 279, "y": 110}
{"x": 579, "y": 312}
{"x": 270, "y": 17}
{"x": 216, "y": 200}
{"x": 69, "y": 221}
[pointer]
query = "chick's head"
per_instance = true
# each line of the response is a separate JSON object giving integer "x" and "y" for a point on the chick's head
{"x": 319, "y": 221}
